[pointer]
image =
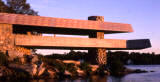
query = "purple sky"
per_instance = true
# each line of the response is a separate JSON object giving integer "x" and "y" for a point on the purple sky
{"x": 144, "y": 15}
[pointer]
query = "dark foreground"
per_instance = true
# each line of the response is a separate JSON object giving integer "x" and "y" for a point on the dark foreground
{"x": 134, "y": 77}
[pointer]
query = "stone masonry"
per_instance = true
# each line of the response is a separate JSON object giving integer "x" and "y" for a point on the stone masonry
{"x": 97, "y": 53}
{"x": 6, "y": 39}
{"x": 7, "y": 43}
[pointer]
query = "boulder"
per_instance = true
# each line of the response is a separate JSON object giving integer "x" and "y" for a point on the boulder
{"x": 67, "y": 73}
{"x": 72, "y": 61}
{"x": 94, "y": 67}
{"x": 34, "y": 59}
{"x": 34, "y": 70}
{"x": 41, "y": 69}
{"x": 30, "y": 68}
{"x": 22, "y": 60}
{"x": 52, "y": 73}
{"x": 4, "y": 71}
{"x": 80, "y": 72}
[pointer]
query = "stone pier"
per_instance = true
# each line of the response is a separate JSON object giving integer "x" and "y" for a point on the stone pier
{"x": 99, "y": 54}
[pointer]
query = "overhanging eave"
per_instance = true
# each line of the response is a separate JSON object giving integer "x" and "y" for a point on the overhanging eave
{"x": 61, "y": 23}
{"x": 48, "y": 42}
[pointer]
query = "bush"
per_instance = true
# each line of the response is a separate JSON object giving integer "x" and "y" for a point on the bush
{"x": 55, "y": 63}
{"x": 3, "y": 59}
{"x": 101, "y": 70}
{"x": 16, "y": 60}
{"x": 116, "y": 67}
{"x": 71, "y": 68}
{"x": 20, "y": 74}
{"x": 85, "y": 67}
{"x": 13, "y": 74}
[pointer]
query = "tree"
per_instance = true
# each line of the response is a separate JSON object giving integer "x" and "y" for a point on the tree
{"x": 3, "y": 7}
{"x": 117, "y": 67}
{"x": 17, "y": 6}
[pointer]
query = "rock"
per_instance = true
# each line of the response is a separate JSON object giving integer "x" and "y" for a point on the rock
{"x": 30, "y": 68}
{"x": 72, "y": 61}
{"x": 14, "y": 54}
{"x": 94, "y": 67}
{"x": 4, "y": 71}
{"x": 107, "y": 72}
{"x": 1, "y": 74}
{"x": 22, "y": 60}
{"x": 34, "y": 59}
{"x": 51, "y": 73}
{"x": 67, "y": 73}
{"x": 41, "y": 69}
{"x": 80, "y": 72}
{"x": 139, "y": 71}
{"x": 2, "y": 68}
{"x": 34, "y": 70}
{"x": 18, "y": 52}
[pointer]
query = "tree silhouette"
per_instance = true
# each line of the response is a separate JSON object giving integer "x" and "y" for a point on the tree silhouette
{"x": 17, "y": 6}
{"x": 3, "y": 7}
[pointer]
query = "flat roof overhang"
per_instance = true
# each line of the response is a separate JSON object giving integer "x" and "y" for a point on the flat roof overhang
{"x": 71, "y": 26}
{"x": 48, "y": 42}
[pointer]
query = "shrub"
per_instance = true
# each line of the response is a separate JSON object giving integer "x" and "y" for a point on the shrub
{"x": 13, "y": 74}
{"x": 55, "y": 63}
{"x": 116, "y": 67}
{"x": 85, "y": 67}
{"x": 40, "y": 57}
{"x": 16, "y": 60}
{"x": 101, "y": 70}
{"x": 20, "y": 74}
{"x": 71, "y": 68}
{"x": 3, "y": 59}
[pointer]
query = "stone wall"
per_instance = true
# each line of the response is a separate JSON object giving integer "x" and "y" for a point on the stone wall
{"x": 7, "y": 42}
{"x": 6, "y": 38}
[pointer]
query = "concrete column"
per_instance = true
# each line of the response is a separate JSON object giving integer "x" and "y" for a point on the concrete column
{"x": 97, "y": 55}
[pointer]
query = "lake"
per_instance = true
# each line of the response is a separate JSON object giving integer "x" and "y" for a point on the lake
{"x": 136, "y": 77}
{"x": 139, "y": 77}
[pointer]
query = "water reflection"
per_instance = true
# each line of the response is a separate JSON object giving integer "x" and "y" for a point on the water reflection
{"x": 114, "y": 79}
{"x": 96, "y": 78}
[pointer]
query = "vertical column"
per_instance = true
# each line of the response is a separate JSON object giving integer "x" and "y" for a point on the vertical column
{"x": 7, "y": 45}
{"x": 6, "y": 37}
{"x": 97, "y": 55}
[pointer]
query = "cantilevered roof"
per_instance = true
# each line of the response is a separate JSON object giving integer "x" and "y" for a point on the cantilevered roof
{"x": 35, "y": 21}
{"x": 48, "y": 42}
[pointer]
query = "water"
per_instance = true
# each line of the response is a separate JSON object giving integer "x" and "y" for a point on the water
{"x": 142, "y": 77}
{"x": 136, "y": 77}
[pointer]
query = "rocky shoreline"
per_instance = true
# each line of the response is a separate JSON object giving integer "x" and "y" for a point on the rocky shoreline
{"x": 37, "y": 67}
{"x": 31, "y": 72}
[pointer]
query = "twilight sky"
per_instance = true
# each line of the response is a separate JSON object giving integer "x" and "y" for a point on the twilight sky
{"x": 144, "y": 15}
